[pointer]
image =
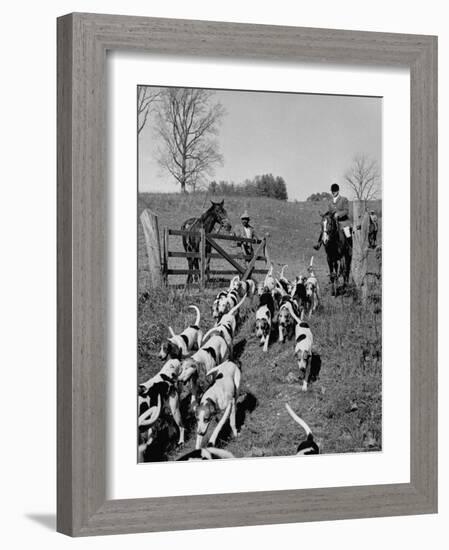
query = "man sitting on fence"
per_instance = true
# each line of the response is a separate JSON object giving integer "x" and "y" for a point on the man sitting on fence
{"x": 246, "y": 230}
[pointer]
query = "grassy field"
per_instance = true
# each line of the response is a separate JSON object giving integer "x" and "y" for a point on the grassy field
{"x": 343, "y": 407}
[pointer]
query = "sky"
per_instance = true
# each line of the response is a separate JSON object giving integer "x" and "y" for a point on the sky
{"x": 309, "y": 140}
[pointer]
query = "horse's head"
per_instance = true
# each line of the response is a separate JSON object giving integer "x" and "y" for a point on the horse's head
{"x": 329, "y": 227}
{"x": 220, "y": 215}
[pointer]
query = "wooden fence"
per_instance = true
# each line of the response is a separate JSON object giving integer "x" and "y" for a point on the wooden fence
{"x": 203, "y": 274}
{"x": 159, "y": 254}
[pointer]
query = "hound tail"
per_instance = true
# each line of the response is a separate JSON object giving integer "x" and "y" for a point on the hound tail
{"x": 310, "y": 269}
{"x": 219, "y": 453}
{"x": 172, "y": 332}
{"x": 198, "y": 315}
{"x": 237, "y": 306}
{"x": 284, "y": 267}
{"x": 236, "y": 278}
{"x": 269, "y": 274}
{"x": 298, "y": 420}
{"x": 149, "y": 417}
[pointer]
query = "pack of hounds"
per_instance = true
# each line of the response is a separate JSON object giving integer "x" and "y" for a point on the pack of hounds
{"x": 281, "y": 309}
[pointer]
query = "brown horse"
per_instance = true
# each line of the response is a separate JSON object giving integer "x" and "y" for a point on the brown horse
{"x": 338, "y": 251}
{"x": 213, "y": 215}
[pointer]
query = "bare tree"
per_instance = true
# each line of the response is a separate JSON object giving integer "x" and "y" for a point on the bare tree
{"x": 364, "y": 178}
{"x": 188, "y": 122}
{"x": 146, "y": 99}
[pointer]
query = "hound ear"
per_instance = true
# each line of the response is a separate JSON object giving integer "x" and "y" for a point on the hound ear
{"x": 167, "y": 378}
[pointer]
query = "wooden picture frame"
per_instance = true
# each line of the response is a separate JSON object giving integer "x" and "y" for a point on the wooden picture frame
{"x": 83, "y": 40}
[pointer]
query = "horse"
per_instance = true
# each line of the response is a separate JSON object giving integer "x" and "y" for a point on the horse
{"x": 338, "y": 251}
{"x": 216, "y": 213}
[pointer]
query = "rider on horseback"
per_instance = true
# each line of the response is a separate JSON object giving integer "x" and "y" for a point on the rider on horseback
{"x": 338, "y": 207}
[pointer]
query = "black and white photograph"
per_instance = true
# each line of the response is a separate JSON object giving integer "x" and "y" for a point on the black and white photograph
{"x": 259, "y": 329}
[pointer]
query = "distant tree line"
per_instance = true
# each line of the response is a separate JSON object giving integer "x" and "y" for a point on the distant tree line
{"x": 265, "y": 185}
{"x": 316, "y": 197}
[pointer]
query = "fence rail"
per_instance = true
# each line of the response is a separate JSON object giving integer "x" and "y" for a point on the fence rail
{"x": 219, "y": 236}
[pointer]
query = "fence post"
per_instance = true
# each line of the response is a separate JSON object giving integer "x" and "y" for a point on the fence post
{"x": 360, "y": 249}
{"x": 151, "y": 233}
{"x": 203, "y": 257}
{"x": 164, "y": 256}
{"x": 252, "y": 263}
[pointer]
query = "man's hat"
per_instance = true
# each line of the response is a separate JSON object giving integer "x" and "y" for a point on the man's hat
{"x": 245, "y": 215}
{"x": 335, "y": 187}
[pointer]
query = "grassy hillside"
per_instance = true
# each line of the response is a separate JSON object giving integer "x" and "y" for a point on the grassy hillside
{"x": 293, "y": 228}
{"x": 343, "y": 407}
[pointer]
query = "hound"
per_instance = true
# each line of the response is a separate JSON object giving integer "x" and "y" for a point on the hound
{"x": 264, "y": 319}
{"x": 209, "y": 453}
{"x": 227, "y": 302}
{"x": 150, "y": 407}
{"x": 227, "y": 325}
{"x": 179, "y": 345}
{"x": 303, "y": 346}
{"x": 220, "y": 397}
{"x": 312, "y": 295}
{"x": 308, "y": 446}
{"x": 286, "y": 323}
{"x": 215, "y": 313}
{"x": 283, "y": 282}
{"x": 312, "y": 290}
{"x": 149, "y": 411}
{"x": 168, "y": 373}
{"x": 212, "y": 353}
{"x": 269, "y": 282}
{"x": 158, "y": 390}
{"x": 299, "y": 294}
{"x": 247, "y": 287}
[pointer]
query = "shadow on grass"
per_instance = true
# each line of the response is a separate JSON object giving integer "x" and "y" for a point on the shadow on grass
{"x": 246, "y": 403}
{"x": 239, "y": 348}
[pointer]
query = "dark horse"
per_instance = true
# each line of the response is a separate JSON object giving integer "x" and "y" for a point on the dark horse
{"x": 338, "y": 251}
{"x": 214, "y": 214}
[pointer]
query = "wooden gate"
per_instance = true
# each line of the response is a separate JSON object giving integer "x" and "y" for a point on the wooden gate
{"x": 203, "y": 274}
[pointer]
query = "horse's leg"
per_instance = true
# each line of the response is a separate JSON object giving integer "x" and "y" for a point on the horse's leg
{"x": 189, "y": 275}
{"x": 348, "y": 265}
{"x": 331, "y": 275}
{"x": 208, "y": 253}
{"x": 342, "y": 270}
{"x": 195, "y": 247}
{"x": 187, "y": 248}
